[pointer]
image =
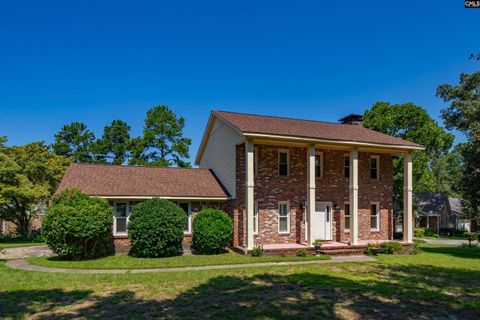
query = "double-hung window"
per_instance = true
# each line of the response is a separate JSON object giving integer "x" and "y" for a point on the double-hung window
{"x": 255, "y": 162}
{"x": 283, "y": 217}
{"x": 187, "y": 228}
{"x": 374, "y": 167}
{"x": 319, "y": 165}
{"x": 346, "y": 166}
{"x": 255, "y": 218}
{"x": 121, "y": 214}
{"x": 374, "y": 217}
{"x": 283, "y": 163}
{"x": 347, "y": 216}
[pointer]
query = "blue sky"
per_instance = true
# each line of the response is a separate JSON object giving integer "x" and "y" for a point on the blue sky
{"x": 64, "y": 61}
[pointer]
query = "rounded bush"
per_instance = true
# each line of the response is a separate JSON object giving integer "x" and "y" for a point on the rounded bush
{"x": 156, "y": 228}
{"x": 78, "y": 226}
{"x": 212, "y": 231}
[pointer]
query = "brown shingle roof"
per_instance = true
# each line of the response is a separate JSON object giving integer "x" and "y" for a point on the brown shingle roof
{"x": 249, "y": 123}
{"x": 114, "y": 180}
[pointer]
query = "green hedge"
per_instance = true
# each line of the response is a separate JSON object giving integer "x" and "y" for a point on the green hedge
{"x": 155, "y": 228}
{"x": 212, "y": 231}
{"x": 78, "y": 226}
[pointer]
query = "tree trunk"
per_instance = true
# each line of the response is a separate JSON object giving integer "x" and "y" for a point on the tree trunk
{"x": 23, "y": 227}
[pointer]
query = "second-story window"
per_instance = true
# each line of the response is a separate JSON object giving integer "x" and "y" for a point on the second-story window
{"x": 283, "y": 163}
{"x": 346, "y": 166}
{"x": 319, "y": 165}
{"x": 374, "y": 165}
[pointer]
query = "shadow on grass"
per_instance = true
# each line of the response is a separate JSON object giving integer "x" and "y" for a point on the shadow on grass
{"x": 460, "y": 252}
{"x": 394, "y": 292}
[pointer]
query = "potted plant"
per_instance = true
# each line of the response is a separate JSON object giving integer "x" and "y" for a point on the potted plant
{"x": 318, "y": 246}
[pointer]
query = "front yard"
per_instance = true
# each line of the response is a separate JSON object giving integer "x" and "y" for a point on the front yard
{"x": 440, "y": 282}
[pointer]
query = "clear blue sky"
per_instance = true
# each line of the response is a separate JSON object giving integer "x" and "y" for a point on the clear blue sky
{"x": 64, "y": 61}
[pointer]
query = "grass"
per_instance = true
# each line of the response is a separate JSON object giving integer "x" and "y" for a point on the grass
{"x": 441, "y": 282}
{"x": 128, "y": 262}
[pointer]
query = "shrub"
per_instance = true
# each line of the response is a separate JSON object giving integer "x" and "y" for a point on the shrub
{"x": 257, "y": 252}
{"x": 78, "y": 226}
{"x": 430, "y": 233}
{"x": 212, "y": 231}
{"x": 419, "y": 232}
{"x": 301, "y": 253}
{"x": 155, "y": 228}
{"x": 415, "y": 249}
{"x": 390, "y": 247}
{"x": 470, "y": 236}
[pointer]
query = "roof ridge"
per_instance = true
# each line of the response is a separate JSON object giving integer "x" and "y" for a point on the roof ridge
{"x": 286, "y": 118}
{"x": 134, "y": 166}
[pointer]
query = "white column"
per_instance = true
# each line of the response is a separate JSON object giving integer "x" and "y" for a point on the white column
{"x": 249, "y": 201}
{"x": 354, "y": 197}
{"x": 407, "y": 198}
{"x": 310, "y": 205}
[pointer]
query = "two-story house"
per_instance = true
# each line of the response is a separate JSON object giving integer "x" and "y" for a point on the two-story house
{"x": 285, "y": 182}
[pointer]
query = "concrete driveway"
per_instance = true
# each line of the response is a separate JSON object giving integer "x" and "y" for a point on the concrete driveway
{"x": 25, "y": 252}
{"x": 443, "y": 241}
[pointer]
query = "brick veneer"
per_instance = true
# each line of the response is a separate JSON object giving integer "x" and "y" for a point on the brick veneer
{"x": 269, "y": 189}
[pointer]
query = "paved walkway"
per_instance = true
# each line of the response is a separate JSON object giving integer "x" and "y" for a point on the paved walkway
{"x": 25, "y": 252}
{"x": 21, "y": 264}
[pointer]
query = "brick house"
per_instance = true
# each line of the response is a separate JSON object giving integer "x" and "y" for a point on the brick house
{"x": 285, "y": 182}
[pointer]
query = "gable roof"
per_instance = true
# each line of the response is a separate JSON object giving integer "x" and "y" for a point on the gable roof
{"x": 455, "y": 206}
{"x": 142, "y": 181}
{"x": 428, "y": 203}
{"x": 278, "y": 126}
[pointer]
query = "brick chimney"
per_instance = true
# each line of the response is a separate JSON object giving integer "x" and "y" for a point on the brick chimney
{"x": 353, "y": 119}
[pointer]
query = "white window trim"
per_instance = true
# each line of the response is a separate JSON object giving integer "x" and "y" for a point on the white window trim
{"x": 287, "y": 203}
{"x": 189, "y": 217}
{"x": 255, "y": 213}
{"x": 287, "y": 151}
{"x": 343, "y": 166}
{"x": 127, "y": 209}
{"x": 319, "y": 153}
{"x": 344, "y": 215}
{"x": 377, "y": 204}
{"x": 378, "y": 167}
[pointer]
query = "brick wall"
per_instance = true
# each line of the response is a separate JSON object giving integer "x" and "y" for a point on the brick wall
{"x": 269, "y": 189}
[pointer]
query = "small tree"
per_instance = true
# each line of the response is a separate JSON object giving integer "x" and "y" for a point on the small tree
{"x": 77, "y": 226}
{"x": 212, "y": 231}
{"x": 156, "y": 228}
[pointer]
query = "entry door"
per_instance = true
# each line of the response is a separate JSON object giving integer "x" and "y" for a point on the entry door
{"x": 322, "y": 221}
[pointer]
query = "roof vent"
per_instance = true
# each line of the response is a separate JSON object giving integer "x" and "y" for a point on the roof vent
{"x": 352, "y": 118}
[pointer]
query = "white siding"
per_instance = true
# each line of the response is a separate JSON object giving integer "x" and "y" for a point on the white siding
{"x": 219, "y": 154}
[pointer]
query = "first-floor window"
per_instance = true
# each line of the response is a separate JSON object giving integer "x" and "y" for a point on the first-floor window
{"x": 374, "y": 217}
{"x": 255, "y": 218}
{"x": 188, "y": 216}
{"x": 347, "y": 217}
{"x": 121, "y": 217}
{"x": 283, "y": 217}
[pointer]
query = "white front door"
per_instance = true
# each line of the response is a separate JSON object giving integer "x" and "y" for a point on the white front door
{"x": 322, "y": 221}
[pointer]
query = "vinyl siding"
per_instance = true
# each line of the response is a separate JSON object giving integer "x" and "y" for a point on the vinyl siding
{"x": 219, "y": 154}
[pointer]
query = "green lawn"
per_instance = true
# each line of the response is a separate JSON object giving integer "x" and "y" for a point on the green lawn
{"x": 128, "y": 262}
{"x": 442, "y": 282}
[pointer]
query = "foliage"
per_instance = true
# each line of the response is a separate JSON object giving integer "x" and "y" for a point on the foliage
{"x": 257, "y": 252}
{"x": 78, "y": 226}
{"x": 18, "y": 238}
{"x": 470, "y": 236}
{"x": 114, "y": 145}
{"x": 411, "y": 122}
{"x": 391, "y": 247}
{"x": 75, "y": 140}
{"x": 156, "y": 228}
{"x": 419, "y": 232}
{"x": 29, "y": 175}
{"x": 463, "y": 114}
{"x": 301, "y": 253}
{"x": 163, "y": 142}
{"x": 212, "y": 231}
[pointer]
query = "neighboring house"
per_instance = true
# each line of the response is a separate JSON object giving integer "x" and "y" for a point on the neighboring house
{"x": 436, "y": 211}
{"x": 285, "y": 182}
